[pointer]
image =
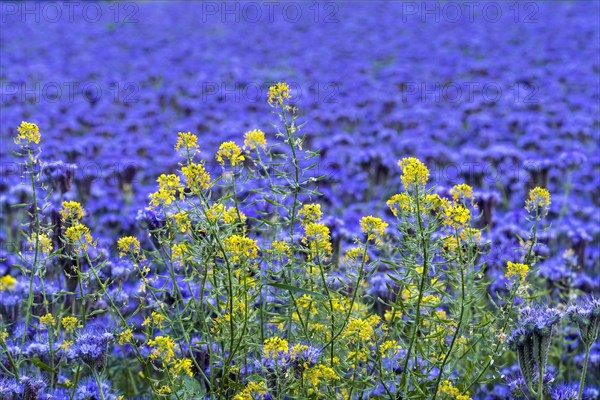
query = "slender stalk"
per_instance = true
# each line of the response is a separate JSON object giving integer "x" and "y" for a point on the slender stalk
{"x": 421, "y": 291}
{"x": 460, "y": 318}
{"x": 584, "y": 372}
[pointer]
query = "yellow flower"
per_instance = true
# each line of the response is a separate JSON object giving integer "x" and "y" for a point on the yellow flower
{"x": 399, "y": 202}
{"x": 231, "y": 152}
{"x": 215, "y": 213}
{"x": 321, "y": 374}
{"x": 275, "y": 346}
{"x": 373, "y": 227}
{"x": 392, "y": 317}
{"x": 457, "y": 216}
{"x": 414, "y": 172}
{"x": 254, "y": 139}
{"x": 180, "y": 251}
{"x": 125, "y": 337}
{"x": 180, "y": 367}
{"x": 66, "y": 345}
{"x": 278, "y": 93}
{"x": 71, "y": 210}
{"x": 237, "y": 247}
{"x": 318, "y": 238}
{"x": 388, "y": 345}
{"x": 182, "y": 222}
{"x": 164, "y": 390}
{"x": 3, "y": 336}
{"x": 358, "y": 330}
{"x": 251, "y": 391}
{"x": 128, "y": 244}
{"x": 310, "y": 213}
{"x": 70, "y": 323}
{"x": 79, "y": 234}
{"x": 44, "y": 243}
{"x": 447, "y": 388}
{"x": 231, "y": 215}
{"x": 28, "y": 131}
{"x": 538, "y": 199}
{"x": 162, "y": 346}
{"x": 167, "y": 188}
{"x": 514, "y": 270}
{"x": 187, "y": 140}
{"x": 7, "y": 282}
{"x": 463, "y": 191}
{"x": 281, "y": 247}
{"x": 47, "y": 320}
{"x": 196, "y": 176}
{"x": 355, "y": 253}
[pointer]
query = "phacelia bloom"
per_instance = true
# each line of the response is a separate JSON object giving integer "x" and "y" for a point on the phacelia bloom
{"x": 539, "y": 199}
{"x": 456, "y": 216}
{"x": 79, "y": 234}
{"x": 60, "y": 175}
{"x": 358, "y": 330}
{"x": 275, "y": 347}
{"x": 44, "y": 243}
{"x": 399, "y": 202}
{"x": 414, "y": 172}
{"x": 318, "y": 239}
{"x": 239, "y": 247}
{"x": 32, "y": 388}
{"x": 29, "y": 132}
{"x": 196, "y": 176}
{"x": 531, "y": 340}
{"x": 514, "y": 270}
{"x": 7, "y": 283}
{"x": 91, "y": 347}
{"x": 162, "y": 347}
{"x": 278, "y": 93}
{"x": 304, "y": 356}
{"x": 564, "y": 392}
{"x": 447, "y": 388}
{"x": 254, "y": 139}
{"x": 462, "y": 191}
{"x": 71, "y": 211}
{"x": 230, "y": 151}
{"x": 48, "y": 320}
{"x": 128, "y": 244}
{"x": 587, "y": 317}
{"x": 70, "y": 323}
{"x": 168, "y": 185}
{"x": 188, "y": 141}
{"x": 373, "y": 227}
{"x": 310, "y": 213}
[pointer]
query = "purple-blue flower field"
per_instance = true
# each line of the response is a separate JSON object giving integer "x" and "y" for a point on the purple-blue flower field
{"x": 300, "y": 200}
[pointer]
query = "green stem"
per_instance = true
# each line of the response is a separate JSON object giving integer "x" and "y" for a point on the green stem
{"x": 584, "y": 372}
{"x": 421, "y": 291}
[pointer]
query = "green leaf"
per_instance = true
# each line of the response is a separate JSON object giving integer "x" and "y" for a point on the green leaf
{"x": 38, "y": 363}
{"x": 294, "y": 289}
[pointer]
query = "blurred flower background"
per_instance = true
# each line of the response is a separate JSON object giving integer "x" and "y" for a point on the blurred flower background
{"x": 502, "y": 96}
